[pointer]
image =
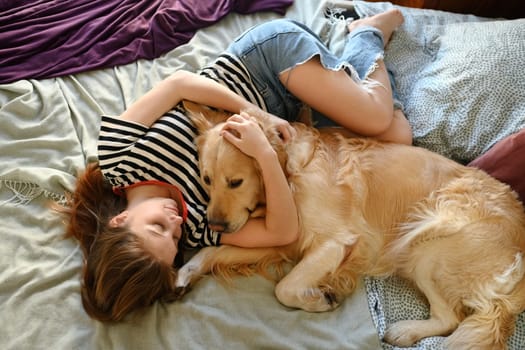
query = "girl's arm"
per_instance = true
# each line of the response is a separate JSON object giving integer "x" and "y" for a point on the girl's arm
{"x": 179, "y": 86}
{"x": 280, "y": 226}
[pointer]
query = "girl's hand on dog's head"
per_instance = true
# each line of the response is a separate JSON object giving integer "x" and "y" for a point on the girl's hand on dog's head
{"x": 243, "y": 131}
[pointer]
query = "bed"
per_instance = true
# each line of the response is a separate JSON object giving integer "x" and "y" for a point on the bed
{"x": 460, "y": 77}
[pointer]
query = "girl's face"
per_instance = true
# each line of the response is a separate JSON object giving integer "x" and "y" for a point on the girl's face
{"x": 157, "y": 221}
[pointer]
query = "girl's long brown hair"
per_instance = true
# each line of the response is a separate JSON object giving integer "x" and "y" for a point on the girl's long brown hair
{"x": 119, "y": 274}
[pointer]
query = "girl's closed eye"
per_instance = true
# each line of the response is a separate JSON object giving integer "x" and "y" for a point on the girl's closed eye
{"x": 158, "y": 228}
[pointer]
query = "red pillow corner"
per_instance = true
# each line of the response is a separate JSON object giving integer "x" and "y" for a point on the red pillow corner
{"x": 506, "y": 162}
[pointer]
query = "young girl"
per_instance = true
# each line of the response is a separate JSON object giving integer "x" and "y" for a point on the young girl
{"x": 130, "y": 210}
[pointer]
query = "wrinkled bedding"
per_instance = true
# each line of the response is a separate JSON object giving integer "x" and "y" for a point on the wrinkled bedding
{"x": 48, "y": 132}
{"x": 49, "y": 38}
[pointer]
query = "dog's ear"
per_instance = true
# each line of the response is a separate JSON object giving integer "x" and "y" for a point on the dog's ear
{"x": 204, "y": 117}
{"x": 301, "y": 150}
{"x": 194, "y": 111}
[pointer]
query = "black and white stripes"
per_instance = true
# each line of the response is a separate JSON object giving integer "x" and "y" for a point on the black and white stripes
{"x": 130, "y": 152}
{"x": 230, "y": 72}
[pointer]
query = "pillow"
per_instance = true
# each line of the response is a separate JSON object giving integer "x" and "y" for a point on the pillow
{"x": 473, "y": 93}
{"x": 462, "y": 84}
{"x": 460, "y": 78}
{"x": 506, "y": 162}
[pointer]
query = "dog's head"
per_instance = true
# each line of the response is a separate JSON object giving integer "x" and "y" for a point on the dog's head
{"x": 232, "y": 179}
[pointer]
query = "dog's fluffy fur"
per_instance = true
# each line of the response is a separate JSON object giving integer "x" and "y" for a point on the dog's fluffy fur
{"x": 371, "y": 208}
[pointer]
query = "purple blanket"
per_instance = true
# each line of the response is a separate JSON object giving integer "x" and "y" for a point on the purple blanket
{"x": 48, "y": 38}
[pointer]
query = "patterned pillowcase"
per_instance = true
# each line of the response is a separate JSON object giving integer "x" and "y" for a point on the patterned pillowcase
{"x": 464, "y": 90}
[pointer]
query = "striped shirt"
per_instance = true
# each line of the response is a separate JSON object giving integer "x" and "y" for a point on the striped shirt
{"x": 130, "y": 153}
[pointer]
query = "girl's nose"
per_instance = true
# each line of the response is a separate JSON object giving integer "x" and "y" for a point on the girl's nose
{"x": 174, "y": 217}
{"x": 178, "y": 220}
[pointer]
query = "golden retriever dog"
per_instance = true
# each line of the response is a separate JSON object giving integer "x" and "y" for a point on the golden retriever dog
{"x": 376, "y": 209}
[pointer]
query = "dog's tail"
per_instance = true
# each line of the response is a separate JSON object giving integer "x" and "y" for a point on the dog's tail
{"x": 483, "y": 331}
{"x": 494, "y": 313}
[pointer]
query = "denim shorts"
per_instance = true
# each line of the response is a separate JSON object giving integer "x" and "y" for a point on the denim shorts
{"x": 273, "y": 47}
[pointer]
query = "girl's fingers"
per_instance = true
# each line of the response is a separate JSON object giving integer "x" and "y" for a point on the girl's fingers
{"x": 230, "y": 137}
{"x": 235, "y": 117}
{"x": 243, "y": 116}
{"x": 287, "y": 133}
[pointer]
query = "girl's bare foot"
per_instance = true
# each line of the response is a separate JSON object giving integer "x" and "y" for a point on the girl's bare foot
{"x": 386, "y": 22}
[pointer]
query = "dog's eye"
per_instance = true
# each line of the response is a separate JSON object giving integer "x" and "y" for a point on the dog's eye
{"x": 235, "y": 183}
{"x": 207, "y": 180}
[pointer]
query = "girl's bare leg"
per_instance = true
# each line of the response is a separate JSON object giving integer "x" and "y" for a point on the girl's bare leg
{"x": 363, "y": 109}
{"x": 400, "y": 130}
{"x": 387, "y": 22}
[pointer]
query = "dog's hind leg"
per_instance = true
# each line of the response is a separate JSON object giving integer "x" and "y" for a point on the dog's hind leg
{"x": 442, "y": 319}
{"x": 300, "y": 287}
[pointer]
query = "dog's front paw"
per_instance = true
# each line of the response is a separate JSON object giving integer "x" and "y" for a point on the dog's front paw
{"x": 319, "y": 300}
{"x": 186, "y": 276}
{"x": 401, "y": 334}
{"x": 197, "y": 266}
